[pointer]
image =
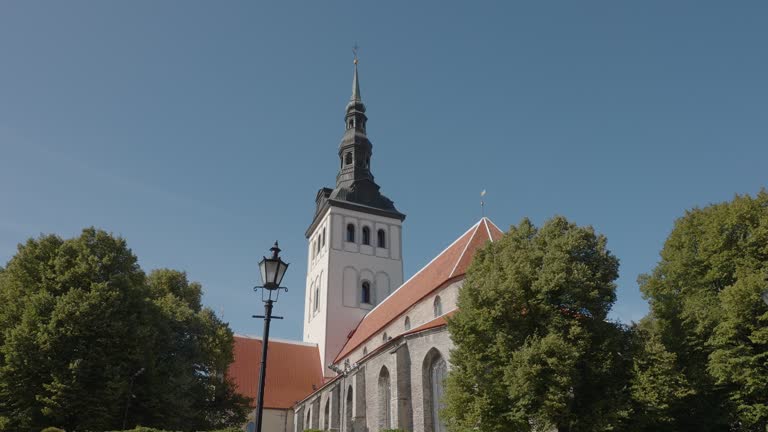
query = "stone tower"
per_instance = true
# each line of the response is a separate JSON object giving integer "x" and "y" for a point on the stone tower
{"x": 355, "y": 251}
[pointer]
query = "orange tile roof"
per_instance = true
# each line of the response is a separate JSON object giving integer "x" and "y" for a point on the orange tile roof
{"x": 293, "y": 370}
{"x": 450, "y": 264}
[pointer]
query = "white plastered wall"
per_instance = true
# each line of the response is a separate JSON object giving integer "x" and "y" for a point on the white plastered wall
{"x": 339, "y": 269}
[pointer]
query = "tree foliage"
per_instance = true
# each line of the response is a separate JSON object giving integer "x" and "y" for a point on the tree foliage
{"x": 704, "y": 362}
{"x": 84, "y": 332}
{"x": 534, "y": 350}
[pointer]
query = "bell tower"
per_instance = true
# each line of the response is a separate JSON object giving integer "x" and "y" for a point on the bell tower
{"x": 355, "y": 251}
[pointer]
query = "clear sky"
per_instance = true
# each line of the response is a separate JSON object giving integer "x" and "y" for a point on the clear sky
{"x": 201, "y": 131}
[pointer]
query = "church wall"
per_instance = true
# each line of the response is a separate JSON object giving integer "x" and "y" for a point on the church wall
{"x": 350, "y": 265}
{"x": 407, "y": 370}
{"x": 317, "y": 276}
{"x": 419, "y": 347}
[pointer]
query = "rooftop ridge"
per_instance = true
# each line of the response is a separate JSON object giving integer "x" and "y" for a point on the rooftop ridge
{"x": 458, "y": 260}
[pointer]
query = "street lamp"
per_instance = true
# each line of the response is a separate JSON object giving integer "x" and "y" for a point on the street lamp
{"x": 272, "y": 272}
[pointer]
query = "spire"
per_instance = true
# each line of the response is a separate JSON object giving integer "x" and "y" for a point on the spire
{"x": 355, "y": 186}
{"x": 355, "y": 105}
{"x": 355, "y": 84}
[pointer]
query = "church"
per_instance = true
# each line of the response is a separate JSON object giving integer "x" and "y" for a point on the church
{"x": 375, "y": 348}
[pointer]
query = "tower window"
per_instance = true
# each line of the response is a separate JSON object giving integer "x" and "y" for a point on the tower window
{"x": 438, "y": 305}
{"x": 382, "y": 238}
{"x": 407, "y": 323}
{"x": 317, "y": 298}
{"x": 366, "y": 235}
{"x": 367, "y": 162}
{"x": 323, "y": 237}
{"x": 348, "y": 158}
{"x": 351, "y": 233}
{"x": 365, "y": 296}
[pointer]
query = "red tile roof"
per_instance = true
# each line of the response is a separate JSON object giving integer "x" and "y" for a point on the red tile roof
{"x": 450, "y": 264}
{"x": 293, "y": 370}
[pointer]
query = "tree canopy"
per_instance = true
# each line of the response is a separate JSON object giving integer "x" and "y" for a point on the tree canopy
{"x": 704, "y": 361}
{"x": 534, "y": 350}
{"x": 88, "y": 341}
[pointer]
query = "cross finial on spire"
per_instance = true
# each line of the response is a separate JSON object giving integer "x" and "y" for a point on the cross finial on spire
{"x": 354, "y": 52}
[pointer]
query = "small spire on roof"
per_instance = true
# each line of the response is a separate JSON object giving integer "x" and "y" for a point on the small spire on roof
{"x": 355, "y": 83}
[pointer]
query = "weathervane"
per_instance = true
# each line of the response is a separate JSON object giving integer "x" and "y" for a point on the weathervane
{"x": 482, "y": 203}
{"x": 354, "y": 52}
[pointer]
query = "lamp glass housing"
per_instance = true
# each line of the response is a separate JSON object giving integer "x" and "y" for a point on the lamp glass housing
{"x": 272, "y": 272}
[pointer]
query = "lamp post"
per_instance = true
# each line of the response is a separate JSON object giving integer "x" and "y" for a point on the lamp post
{"x": 272, "y": 272}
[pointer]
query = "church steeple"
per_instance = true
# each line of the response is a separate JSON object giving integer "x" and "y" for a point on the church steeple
{"x": 355, "y": 149}
{"x": 355, "y": 186}
{"x": 355, "y": 252}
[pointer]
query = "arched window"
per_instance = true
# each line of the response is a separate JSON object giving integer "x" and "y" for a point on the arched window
{"x": 385, "y": 400}
{"x": 435, "y": 370}
{"x": 366, "y": 235}
{"x": 316, "y": 304}
{"x": 438, "y": 306}
{"x": 365, "y": 351}
{"x": 348, "y": 158}
{"x": 384, "y": 337}
{"x": 407, "y": 323}
{"x": 365, "y": 292}
{"x": 348, "y": 410}
{"x": 327, "y": 417}
{"x": 351, "y": 233}
{"x": 382, "y": 238}
{"x": 308, "y": 424}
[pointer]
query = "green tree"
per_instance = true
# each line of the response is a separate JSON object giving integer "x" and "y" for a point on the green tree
{"x": 83, "y": 330}
{"x": 709, "y": 323}
{"x": 534, "y": 350}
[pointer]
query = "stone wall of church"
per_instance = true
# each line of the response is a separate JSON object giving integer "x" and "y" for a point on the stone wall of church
{"x": 390, "y": 389}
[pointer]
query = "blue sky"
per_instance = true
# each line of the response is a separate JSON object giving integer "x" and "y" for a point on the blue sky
{"x": 201, "y": 131}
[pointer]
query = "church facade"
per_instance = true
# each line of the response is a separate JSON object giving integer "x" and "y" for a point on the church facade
{"x": 375, "y": 349}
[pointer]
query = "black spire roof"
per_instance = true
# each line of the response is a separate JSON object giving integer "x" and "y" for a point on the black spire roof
{"x": 355, "y": 188}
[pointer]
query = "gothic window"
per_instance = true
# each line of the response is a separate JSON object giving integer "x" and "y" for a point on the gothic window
{"x": 407, "y": 323}
{"x": 434, "y": 371}
{"x": 382, "y": 238}
{"x": 437, "y": 377}
{"x": 348, "y": 158}
{"x": 327, "y": 417}
{"x": 384, "y": 337}
{"x": 348, "y": 411}
{"x": 309, "y": 418}
{"x": 351, "y": 233}
{"x": 365, "y": 296}
{"x": 438, "y": 306}
{"x": 385, "y": 400}
{"x": 316, "y": 304}
{"x": 366, "y": 235}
